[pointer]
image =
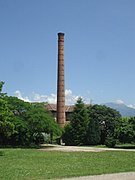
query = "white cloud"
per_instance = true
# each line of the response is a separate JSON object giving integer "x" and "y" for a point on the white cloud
{"x": 131, "y": 106}
{"x": 68, "y": 92}
{"x": 52, "y": 98}
{"x": 19, "y": 95}
{"x": 119, "y": 101}
{"x": 70, "y": 98}
{"x": 44, "y": 98}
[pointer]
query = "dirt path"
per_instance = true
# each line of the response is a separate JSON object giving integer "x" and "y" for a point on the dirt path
{"x": 79, "y": 148}
{"x": 117, "y": 176}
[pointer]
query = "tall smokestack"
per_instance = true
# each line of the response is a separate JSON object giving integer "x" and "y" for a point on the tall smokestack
{"x": 61, "y": 82}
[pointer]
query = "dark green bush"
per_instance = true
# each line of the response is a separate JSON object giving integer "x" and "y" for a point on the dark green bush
{"x": 67, "y": 136}
{"x": 38, "y": 138}
{"x": 2, "y": 153}
{"x": 110, "y": 142}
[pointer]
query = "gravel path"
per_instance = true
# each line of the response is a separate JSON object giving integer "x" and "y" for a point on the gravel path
{"x": 117, "y": 176}
{"x": 79, "y": 148}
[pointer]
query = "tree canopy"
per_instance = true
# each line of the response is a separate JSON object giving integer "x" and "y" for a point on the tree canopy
{"x": 75, "y": 132}
{"x": 24, "y": 123}
{"x": 91, "y": 125}
{"x": 107, "y": 118}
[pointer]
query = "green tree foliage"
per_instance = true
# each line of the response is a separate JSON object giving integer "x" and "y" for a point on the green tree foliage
{"x": 39, "y": 121}
{"x": 78, "y": 124}
{"x": 93, "y": 130}
{"x": 67, "y": 136}
{"x": 23, "y": 123}
{"x": 6, "y": 115}
{"x": 108, "y": 119}
{"x": 1, "y": 86}
{"x": 92, "y": 125}
{"x": 6, "y": 125}
{"x": 110, "y": 141}
{"x": 31, "y": 121}
{"x": 20, "y": 110}
{"x": 126, "y": 130}
{"x": 132, "y": 122}
{"x": 2, "y": 95}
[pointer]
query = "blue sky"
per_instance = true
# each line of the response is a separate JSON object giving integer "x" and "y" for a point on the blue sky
{"x": 99, "y": 49}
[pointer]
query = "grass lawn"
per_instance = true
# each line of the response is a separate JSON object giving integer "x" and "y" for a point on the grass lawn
{"x": 126, "y": 146}
{"x": 33, "y": 164}
{"x": 122, "y": 146}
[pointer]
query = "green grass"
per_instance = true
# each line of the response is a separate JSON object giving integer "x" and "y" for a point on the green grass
{"x": 121, "y": 146}
{"x": 33, "y": 164}
{"x": 126, "y": 146}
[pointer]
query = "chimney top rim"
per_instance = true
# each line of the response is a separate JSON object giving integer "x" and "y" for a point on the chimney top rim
{"x": 60, "y": 34}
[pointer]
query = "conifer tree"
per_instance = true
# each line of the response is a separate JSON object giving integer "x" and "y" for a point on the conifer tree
{"x": 79, "y": 123}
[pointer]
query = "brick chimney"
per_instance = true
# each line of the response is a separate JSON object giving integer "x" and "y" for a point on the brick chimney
{"x": 61, "y": 82}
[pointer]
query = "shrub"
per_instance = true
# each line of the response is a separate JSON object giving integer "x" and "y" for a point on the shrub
{"x": 110, "y": 142}
{"x": 2, "y": 153}
{"x": 67, "y": 136}
{"x": 38, "y": 138}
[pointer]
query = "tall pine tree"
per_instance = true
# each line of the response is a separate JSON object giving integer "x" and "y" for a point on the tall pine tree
{"x": 79, "y": 123}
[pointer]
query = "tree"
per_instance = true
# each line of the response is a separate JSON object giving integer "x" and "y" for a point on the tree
{"x": 1, "y": 86}
{"x": 78, "y": 125}
{"x": 125, "y": 130}
{"x": 93, "y": 130}
{"x": 107, "y": 118}
{"x": 40, "y": 121}
{"x": 20, "y": 109}
{"x": 23, "y": 123}
{"x": 31, "y": 120}
{"x": 67, "y": 136}
{"x": 6, "y": 125}
{"x": 132, "y": 122}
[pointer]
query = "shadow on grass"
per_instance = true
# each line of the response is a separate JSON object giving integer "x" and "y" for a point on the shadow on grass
{"x": 32, "y": 146}
{"x": 22, "y": 147}
{"x": 125, "y": 147}
{"x": 2, "y": 153}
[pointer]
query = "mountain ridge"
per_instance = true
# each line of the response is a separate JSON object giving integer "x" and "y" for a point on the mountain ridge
{"x": 124, "y": 110}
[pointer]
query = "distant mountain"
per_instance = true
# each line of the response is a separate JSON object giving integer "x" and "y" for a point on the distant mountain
{"x": 122, "y": 108}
